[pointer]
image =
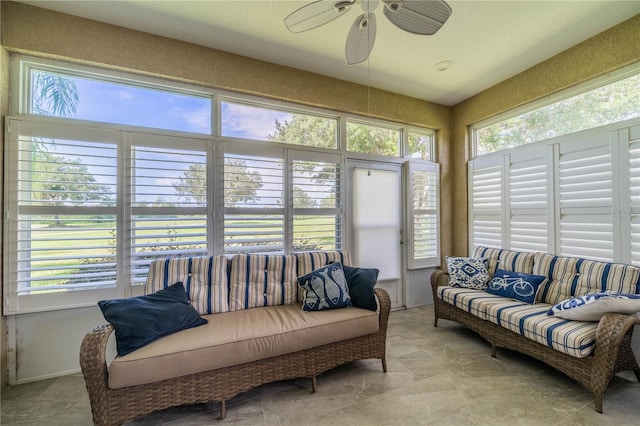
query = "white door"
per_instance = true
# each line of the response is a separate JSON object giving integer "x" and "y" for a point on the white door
{"x": 376, "y": 223}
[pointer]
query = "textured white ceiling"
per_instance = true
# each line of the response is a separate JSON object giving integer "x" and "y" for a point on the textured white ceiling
{"x": 488, "y": 41}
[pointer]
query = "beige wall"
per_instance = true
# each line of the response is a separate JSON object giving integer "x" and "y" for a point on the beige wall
{"x": 603, "y": 53}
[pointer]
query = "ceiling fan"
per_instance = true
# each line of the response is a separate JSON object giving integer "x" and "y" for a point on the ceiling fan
{"x": 423, "y": 17}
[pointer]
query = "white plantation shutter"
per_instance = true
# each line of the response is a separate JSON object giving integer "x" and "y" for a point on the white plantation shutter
{"x": 254, "y": 200}
{"x": 529, "y": 184}
{"x": 169, "y": 200}
{"x": 422, "y": 215}
{"x": 316, "y": 186}
{"x": 486, "y": 204}
{"x": 61, "y": 202}
{"x": 585, "y": 194}
{"x": 575, "y": 196}
{"x": 633, "y": 144}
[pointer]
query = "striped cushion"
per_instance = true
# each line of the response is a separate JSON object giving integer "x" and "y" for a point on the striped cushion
{"x": 562, "y": 272}
{"x": 262, "y": 280}
{"x": 204, "y": 279}
{"x": 601, "y": 277}
{"x": 469, "y": 300}
{"x": 491, "y": 254}
{"x": 308, "y": 261}
{"x": 507, "y": 260}
{"x": 575, "y": 338}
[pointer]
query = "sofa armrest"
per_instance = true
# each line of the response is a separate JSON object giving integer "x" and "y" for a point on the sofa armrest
{"x": 93, "y": 363}
{"x": 613, "y": 344}
{"x": 384, "y": 307}
{"x": 439, "y": 278}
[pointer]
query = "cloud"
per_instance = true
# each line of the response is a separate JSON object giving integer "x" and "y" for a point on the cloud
{"x": 249, "y": 122}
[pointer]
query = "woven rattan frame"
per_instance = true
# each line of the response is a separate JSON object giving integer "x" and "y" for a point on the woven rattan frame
{"x": 115, "y": 406}
{"x": 612, "y": 352}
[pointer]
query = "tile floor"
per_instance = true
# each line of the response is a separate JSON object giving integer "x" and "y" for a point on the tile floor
{"x": 437, "y": 376}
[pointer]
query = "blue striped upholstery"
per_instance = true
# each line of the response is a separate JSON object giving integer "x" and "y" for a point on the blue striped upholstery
{"x": 262, "y": 280}
{"x": 204, "y": 279}
{"x": 308, "y": 261}
{"x": 601, "y": 277}
{"x": 562, "y": 273}
{"x": 575, "y": 338}
{"x": 469, "y": 300}
{"x": 507, "y": 260}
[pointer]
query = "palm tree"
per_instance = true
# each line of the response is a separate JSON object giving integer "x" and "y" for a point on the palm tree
{"x": 53, "y": 94}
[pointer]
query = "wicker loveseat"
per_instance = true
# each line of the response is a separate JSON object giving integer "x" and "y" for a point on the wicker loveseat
{"x": 256, "y": 333}
{"x": 599, "y": 351}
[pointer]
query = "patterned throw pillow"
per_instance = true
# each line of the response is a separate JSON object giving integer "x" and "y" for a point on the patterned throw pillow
{"x": 467, "y": 272}
{"x": 592, "y": 307}
{"x": 515, "y": 285}
{"x": 325, "y": 288}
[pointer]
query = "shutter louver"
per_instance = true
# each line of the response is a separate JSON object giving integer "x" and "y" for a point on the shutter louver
{"x": 169, "y": 213}
{"x": 423, "y": 232}
{"x": 486, "y": 197}
{"x": 528, "y": 187}
{"x": 634, "y": 189}
{"x": 254, "y": 204}
{"x": 586, "y": 199}
{"x": 317, "y": 218}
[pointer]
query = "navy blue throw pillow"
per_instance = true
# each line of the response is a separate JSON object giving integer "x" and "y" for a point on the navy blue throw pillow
{"x": 141, "y": 320}
{"x": 515, "y": 285}
{"x": 361, "y": 282}
{"x": 325, "y": 288}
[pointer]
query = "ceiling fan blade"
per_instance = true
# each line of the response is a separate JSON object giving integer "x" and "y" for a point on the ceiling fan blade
{"x": 315, "y": 14}
{"x": 360, "y": 40}
{"x": 424, "y": 17}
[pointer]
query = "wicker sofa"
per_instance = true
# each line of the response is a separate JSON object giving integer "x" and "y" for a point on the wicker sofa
{"x": 604, "y": 347}
{"x": 256, "y": 333}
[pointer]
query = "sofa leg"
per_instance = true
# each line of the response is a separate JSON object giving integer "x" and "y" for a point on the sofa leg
{"x": 598, "y": 404}
{"x": 384, "y": 364}
{"x": 223, "y": 410}
{"x": 313, "y": 384}
{"x": 493, "y": 350}
{"x": 637, "y": 371}
{"x": 435, "y": 322}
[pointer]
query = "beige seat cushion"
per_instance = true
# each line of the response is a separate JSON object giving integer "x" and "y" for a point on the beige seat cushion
{"x": 233, "y": 338}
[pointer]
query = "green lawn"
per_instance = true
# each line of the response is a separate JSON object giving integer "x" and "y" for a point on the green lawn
{"x": 55, "y": 250}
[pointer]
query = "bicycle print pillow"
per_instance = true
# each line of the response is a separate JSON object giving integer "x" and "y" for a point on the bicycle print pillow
{"x": 515, "y": 285}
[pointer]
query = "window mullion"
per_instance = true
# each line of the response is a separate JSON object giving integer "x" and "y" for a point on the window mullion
{"x": 123, "y": 215}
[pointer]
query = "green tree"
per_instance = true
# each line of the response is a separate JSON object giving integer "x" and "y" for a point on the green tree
{"x": 609, "y": 104}
{"x": 241, "y": 184}
{"x": 305, "y": 130}
{"x": 60, "y": 180}
{"x": 53, "y": 95}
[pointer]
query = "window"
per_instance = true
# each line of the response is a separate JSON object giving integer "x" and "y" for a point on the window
{"x": 368, "y": 139}
{"x": 61, "y": 94}
{"x": 317, "y": 202}
{"x": 271, "y": 125}
{"x": 169, "y": 200}
{"x": 253, "y": 202}
{"x": 612, "y": 103}
{"x": 91, "y": 200}
{"x": 421, "y": 146}
{"x": 63, "y": 206}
